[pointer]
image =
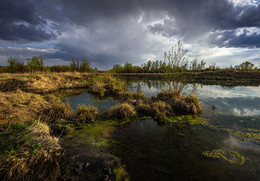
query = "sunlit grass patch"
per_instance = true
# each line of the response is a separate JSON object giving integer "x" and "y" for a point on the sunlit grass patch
{"x": 86, "y": 113}
{"x": 22, "y": 107}
{"x": 186, "y": 105}
{"x": 123, "y": 110}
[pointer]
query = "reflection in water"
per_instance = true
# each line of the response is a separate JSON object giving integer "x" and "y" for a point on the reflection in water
{"x": 153, "y": 151}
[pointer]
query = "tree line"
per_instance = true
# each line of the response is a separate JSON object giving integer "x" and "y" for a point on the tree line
{"x": 193, "y": 66}
{"x": 37, "y": 64}
{"x": 174, "y": 61}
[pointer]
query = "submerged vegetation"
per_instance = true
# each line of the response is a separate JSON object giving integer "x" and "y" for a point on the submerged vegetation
{"x": 251, "y": 134}
{"x": 231, "y": 157}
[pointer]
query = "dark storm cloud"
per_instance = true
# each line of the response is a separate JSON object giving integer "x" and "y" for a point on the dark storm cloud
{"x": 20, "y": 22}
{"x": 232, "y": 39}
{"x": 201, "y": 16}
{"x": 185, "y": 19}
{"x": 113, "y": 31}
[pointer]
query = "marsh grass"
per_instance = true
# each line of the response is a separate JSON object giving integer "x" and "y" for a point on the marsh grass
{"x": 161, "y": 110}
{"x": 123, "y": 110}
{"x": 186, "y": 105}
{"x": 86, "y": 114}
{"x": 43, "y": 83}
{"x": 29, "y": 152}
{"x": 105, "y": 86}
{"x": 22, "y": 107}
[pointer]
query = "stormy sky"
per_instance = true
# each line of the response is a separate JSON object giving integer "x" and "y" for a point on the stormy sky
{"x": 108, "y": 32}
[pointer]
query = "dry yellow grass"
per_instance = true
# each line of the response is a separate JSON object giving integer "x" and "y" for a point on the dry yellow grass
{"x": 187, "y": 105}
{"x": 123, "y": 110}
{"x": 42, "y": 83}
{"x": 21, "y": 107}
{"x": 86, "y": 114}
{"x": 35, "y": 159}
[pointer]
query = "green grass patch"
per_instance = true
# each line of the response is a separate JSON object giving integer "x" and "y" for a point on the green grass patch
{"x": 231, "y": 157}
{"x": 95, "y": 134}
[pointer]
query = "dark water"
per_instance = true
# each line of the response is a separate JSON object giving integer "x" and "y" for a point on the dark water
{"x": 152, "y": 151}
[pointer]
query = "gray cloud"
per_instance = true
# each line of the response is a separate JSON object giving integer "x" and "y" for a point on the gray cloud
{"x": 19, "y": 22}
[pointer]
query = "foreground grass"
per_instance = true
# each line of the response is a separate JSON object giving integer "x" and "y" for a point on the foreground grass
{"x": 29, "y": 152}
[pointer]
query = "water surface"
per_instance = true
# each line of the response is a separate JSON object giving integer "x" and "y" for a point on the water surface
{"x": 153, "y": 151}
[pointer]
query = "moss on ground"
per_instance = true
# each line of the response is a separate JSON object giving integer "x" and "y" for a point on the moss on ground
{"x": 188, "y": 119}
{"x": 96, "y": 134}
{"x": 231, "y": 157}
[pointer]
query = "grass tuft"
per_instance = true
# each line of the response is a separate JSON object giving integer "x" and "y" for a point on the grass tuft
{"x": 123, "y": 110}
{"x": 86, "y": 114}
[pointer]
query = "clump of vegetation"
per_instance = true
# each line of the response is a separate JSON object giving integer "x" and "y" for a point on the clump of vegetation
{"x": 86, "y": 114}
{"x": 123, "y": 110}
{"x": 144, "y": 109}
{"x": 231, "y": 157}
{"x": 29, "y": 152}
{"x": 102, "y": 86}
{"x": 194, "y": 104}
{"x": 188, "y": 105}
{"x": 58, "y": 109}
{"x": 166, "y": 95}
{"x": 128, "y": 96}
{"x": 161, "y": 110}
{"x": 97, "y": 89}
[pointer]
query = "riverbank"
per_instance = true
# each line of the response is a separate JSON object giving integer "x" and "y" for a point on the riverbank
{"x": 225, "y": 78}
